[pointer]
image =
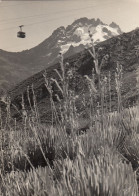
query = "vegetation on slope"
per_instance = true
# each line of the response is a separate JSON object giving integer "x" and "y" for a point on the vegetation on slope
{"x": 64, "y": 158}
{"x": 120, "y": 49}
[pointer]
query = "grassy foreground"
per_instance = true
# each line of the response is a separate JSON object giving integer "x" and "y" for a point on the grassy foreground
{"x": 101, "y": 159}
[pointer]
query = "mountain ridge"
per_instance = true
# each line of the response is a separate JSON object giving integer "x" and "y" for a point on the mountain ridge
{"x": 18, "y": 66}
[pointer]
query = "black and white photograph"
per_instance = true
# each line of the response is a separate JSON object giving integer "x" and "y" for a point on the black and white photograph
{"x": 69, "y": 98}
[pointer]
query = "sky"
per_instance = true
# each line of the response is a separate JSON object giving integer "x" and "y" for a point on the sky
{"x": 41, "y": 18}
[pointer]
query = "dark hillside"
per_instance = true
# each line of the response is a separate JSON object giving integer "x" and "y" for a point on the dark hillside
{"x": 120, "y": 49}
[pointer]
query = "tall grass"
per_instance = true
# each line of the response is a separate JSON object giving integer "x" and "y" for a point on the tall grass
{"x": 68, "y": 157}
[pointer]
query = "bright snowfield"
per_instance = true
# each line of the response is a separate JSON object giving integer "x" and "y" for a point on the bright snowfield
{"x": 100, "y": 33}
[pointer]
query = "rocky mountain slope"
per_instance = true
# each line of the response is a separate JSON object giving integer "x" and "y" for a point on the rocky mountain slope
{"x": 17, "y": 66}
{"x": 122, "y": 49}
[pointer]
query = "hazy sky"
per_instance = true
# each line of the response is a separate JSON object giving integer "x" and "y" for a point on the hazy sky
{"x": 42, "y": 17}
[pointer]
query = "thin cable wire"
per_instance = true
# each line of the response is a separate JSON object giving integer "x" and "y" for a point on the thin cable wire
{"x": 41, "y": 15}
{"x": 30, "y": 24}
{"x": 14, "y": 5}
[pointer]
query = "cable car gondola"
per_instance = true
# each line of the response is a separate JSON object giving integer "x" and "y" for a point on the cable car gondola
{"x": 20, "y": 33}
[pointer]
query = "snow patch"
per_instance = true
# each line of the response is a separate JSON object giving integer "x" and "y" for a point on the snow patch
{"x": 64, "y": 48}
{"x": 49, "y": 54}
{"x": 113, "y": 30}
{"x": 82, "y": 32}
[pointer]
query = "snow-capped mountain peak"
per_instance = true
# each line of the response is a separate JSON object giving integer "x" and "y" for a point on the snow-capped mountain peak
{"x": 69, "y": 40}
{"x": 76, "y": 34}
